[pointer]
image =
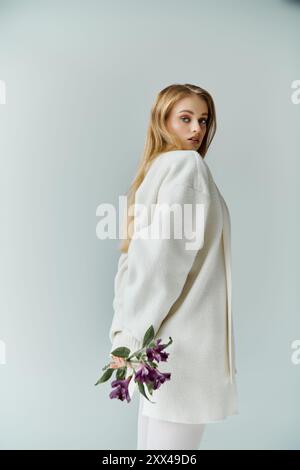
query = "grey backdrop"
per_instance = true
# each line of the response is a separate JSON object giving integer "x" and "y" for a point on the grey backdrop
{"x": 80, "y": 80}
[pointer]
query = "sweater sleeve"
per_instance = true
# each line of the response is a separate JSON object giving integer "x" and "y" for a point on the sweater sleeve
{"x": 152, "y": 274}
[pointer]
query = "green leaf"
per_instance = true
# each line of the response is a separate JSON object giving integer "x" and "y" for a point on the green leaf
{"x": 152, "y": 364}
{"x": 138, "y": 355}
{"x": 106, "y": 376}
{"x": 149, "y": 335}
{"x": 121, "y": 352}
{"x": 142, "y": 390}
{"x": 150, "y": 388}
{"x": 121, "y": 373}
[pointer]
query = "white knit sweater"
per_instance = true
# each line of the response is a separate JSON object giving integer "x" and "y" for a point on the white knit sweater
{"x": 185, "y": 294}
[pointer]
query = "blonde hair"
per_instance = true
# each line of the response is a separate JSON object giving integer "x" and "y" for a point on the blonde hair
{"x": 160, "y": 140}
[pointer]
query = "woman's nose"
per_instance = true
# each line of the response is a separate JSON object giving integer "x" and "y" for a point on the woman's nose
{"x": 197, "y": 129}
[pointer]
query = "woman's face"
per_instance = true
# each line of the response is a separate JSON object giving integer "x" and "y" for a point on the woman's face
{"x": 188, "y": 119}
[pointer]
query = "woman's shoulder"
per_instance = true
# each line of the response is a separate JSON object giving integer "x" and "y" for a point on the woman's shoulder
{"x": 175, "y": 158}
{"x": 179, "y": 167}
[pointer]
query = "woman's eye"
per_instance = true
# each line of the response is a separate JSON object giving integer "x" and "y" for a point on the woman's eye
{"x": 205, "y": 120}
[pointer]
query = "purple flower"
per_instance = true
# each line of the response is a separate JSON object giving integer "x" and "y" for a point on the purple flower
{"x": 156, "y": 354}
{"x": 142, "y": 374}
{"x": 147, "y": 374}
{"x": 157, "y": 378}
{"x": 121, "y": 390}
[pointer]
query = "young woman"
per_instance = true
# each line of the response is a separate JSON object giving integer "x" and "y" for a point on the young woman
{"x": 184, "y": 293}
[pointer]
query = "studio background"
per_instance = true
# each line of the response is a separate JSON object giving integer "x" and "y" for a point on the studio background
{"x": 80, "y": 78}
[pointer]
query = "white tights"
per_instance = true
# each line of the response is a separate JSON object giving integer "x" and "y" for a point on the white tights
{"x": 158, "y": 434}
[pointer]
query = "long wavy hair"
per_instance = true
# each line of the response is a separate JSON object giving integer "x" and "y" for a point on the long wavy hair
{"x": 159, "y": 140}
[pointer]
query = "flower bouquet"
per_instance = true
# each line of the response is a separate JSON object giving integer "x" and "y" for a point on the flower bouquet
{"x": 144, "y": 367}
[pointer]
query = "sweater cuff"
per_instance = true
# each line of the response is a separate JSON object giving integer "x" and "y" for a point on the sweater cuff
{"x": 124, "y": 338}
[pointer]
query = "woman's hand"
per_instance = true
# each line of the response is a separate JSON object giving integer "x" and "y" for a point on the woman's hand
{"x": 117, "y": 362}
